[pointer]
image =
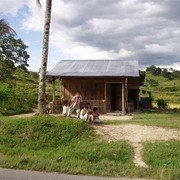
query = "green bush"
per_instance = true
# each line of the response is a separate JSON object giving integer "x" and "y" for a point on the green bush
{"x": 151, "y": 82}
{"x": 161, "y": 103}
{"x": 13, "y": 101}
{"x": 169, "y": 75}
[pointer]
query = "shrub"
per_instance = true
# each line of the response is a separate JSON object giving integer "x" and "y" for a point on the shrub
{"x": 161, "y": 103}
{"x": 167, "y": 74}
{"x": 13, "y": 101}
{"x": 152, "y": 82}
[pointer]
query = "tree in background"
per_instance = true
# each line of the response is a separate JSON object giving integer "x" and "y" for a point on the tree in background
{"x": 12, "y": 51}
{"x": 43, "y": 69}
{"x": 153, "y": 70}
{"x": 168, "y": 73}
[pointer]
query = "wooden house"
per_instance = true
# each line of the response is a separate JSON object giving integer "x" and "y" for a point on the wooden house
{"x": 109, "y": 85}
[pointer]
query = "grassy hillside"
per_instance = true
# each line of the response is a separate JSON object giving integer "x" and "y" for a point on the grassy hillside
{"x": 19, "y": 94}
{"x": 163, "y": 88}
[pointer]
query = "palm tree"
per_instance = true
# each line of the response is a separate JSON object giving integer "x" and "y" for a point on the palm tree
{"x": 5, "y": 28}
{"x": 42, "y": 76}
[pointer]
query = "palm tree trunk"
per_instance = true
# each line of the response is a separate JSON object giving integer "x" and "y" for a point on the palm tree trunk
{"x": 42, "y": 76}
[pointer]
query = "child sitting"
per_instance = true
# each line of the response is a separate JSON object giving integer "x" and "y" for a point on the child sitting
{"x": 83, "y": 113}
{"x": 96, "y": 115}
{"x": 86, "y": 114}
{"x": 89, "y": 116}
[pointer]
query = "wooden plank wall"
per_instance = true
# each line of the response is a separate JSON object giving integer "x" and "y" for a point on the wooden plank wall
{"x": 133, "y": 83}
{"x": 91, "y": 91}
{"x": 96, "y": 90}
{"x": 88, "y": 90}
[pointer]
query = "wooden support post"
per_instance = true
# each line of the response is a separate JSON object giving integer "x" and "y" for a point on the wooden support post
{"x": 105, "y": 98}
{"x": 137, "y": 103}
{"x": 126, "y": 93}
{"x": 123, "y": 98}
{"x": 53, "y": 89}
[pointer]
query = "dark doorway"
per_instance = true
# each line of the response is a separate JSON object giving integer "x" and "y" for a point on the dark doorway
{"x": 133, "y": 97}
{"x": 116, "y": 89}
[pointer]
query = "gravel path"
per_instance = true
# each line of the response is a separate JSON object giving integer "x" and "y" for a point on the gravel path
{"x": 135, "y": 135}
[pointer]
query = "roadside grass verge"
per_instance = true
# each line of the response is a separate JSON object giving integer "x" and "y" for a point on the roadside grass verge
{"x": 165, "y": 156}
{"x": 95, "y": 158}
{"x": 49, "y": 143}
{"x": 53, "y": 144}
{"x": 161, "y": 119}
{"x": 40, "y": 132}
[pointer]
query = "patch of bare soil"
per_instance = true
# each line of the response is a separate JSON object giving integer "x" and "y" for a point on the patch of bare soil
{"x": 24, "y": 115}
{"x": 136, "y": 135}
{"x": 115, "y": 118}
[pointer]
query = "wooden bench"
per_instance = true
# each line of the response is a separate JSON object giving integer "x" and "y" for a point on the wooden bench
{"x": 56, "y": 106}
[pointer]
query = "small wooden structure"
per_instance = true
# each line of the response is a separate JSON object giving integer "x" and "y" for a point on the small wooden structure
{"x": 109, "y": 85}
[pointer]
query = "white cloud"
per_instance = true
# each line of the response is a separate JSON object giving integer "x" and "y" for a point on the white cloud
{"x": 147, "y": 30}
{"x": 123, "y": 53}
{"x": 11, "y": 6}
{"x": 34, "y": 20}
{"x": 156, "y": 48}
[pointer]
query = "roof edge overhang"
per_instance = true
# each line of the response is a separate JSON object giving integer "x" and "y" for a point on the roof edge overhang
{"x": 90, "y": 76}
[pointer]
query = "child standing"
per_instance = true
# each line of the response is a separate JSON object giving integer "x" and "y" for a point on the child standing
{"x": 65, "y": 107}
{"x": 75, "y": 104}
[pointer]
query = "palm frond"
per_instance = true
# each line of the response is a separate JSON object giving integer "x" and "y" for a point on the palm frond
{"x": 5, "y": 27}
{"x": 38, "y": 3}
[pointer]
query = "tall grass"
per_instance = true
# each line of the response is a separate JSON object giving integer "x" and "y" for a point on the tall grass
{"x": 165, "y": 156}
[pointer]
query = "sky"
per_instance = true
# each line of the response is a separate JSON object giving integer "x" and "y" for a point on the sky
{"x": 143, "y": 30}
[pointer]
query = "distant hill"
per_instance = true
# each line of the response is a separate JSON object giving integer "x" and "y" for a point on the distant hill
{"x": 164, "y": 85}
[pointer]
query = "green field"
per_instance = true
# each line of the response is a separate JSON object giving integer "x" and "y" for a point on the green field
{"x": 161, "y": 119}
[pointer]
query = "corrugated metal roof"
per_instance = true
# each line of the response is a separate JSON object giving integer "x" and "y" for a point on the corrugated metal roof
{"x": 87, "y": 68}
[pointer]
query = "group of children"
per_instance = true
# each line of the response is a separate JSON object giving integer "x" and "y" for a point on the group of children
{"x": 89, "y": 115}
{"x": 86, "y": 113}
